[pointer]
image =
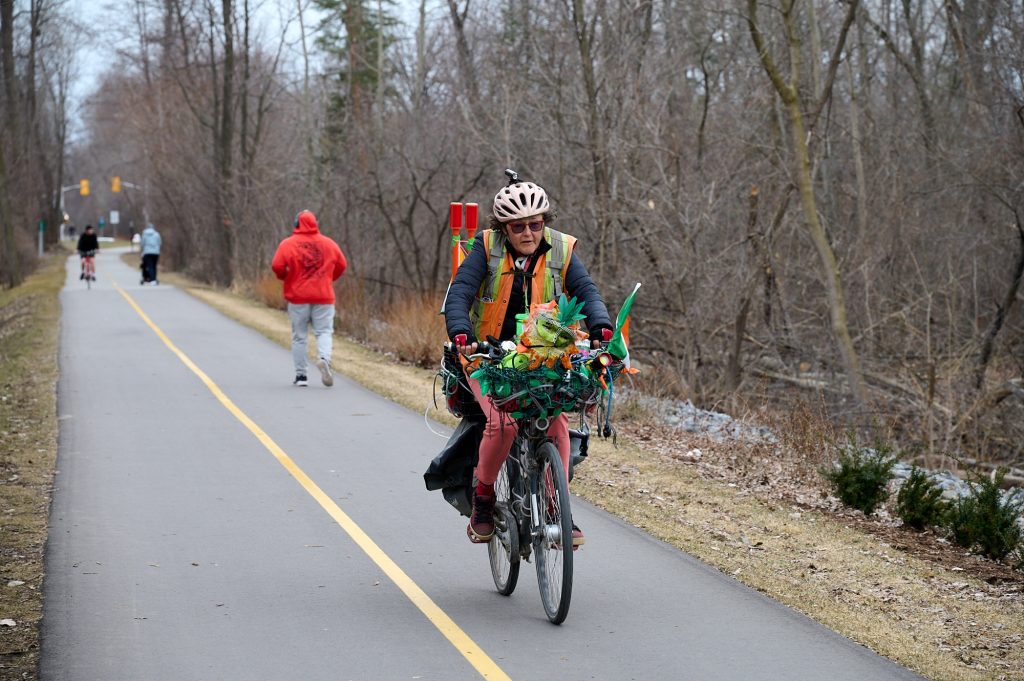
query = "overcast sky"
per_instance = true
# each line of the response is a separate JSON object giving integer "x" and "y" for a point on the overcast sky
{"x": 104, "y": 17}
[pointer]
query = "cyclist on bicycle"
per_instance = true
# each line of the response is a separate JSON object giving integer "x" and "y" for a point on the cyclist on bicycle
{"x": 518, "y": 261}
{"x": 88, "y": 244}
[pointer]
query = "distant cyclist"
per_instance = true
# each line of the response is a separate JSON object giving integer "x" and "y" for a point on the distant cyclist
{"x": 88, "y": 244}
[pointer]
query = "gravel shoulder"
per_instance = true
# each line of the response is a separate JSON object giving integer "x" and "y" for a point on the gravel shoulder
{"x": 29, "y": 322}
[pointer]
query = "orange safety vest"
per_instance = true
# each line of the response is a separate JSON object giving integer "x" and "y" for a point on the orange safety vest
{"x": 488, "y": 311}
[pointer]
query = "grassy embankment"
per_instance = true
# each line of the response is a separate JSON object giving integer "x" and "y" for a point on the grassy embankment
{"x": 29, "y": 323}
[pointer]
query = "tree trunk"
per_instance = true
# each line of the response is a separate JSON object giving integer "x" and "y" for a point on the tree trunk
{"x": 353, "y": 18}
{"x": 7, "y": 58}
{"x": 915, "y": 69}
{"x": 858, "y": 160}
{"x": 789, "y": 93}
{"x": 420, "y": 83}
{"x": 1002, "y": 310}
{"x": 10, "y": 273}
{"x": 584, "y": 30}
{"x": 734, "y": 368}
{"x": 225, "y": 139}
{"x": 465, "y": 55}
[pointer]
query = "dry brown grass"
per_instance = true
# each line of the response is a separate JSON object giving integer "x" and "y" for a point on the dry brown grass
{"x": 29, "y": 322}
{"x": 415, "y": 330}
{"x": 355, "y": 312}
{"x": 269, "y": 290}
{"x": 664, "y": 382}
{"x": 409, "y": 329}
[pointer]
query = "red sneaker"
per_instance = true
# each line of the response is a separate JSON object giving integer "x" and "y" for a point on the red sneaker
{"x": 481, "y": 522}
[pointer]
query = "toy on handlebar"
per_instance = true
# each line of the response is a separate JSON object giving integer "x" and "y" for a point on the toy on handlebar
{"x": 548, "y": 372}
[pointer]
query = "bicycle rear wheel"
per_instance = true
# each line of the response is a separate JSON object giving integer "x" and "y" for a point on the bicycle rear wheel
{"x": 503, "y": 548}
{"x": 552, "y": 541}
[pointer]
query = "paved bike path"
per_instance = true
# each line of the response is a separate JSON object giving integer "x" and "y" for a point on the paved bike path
{"x": 180, "y": 548}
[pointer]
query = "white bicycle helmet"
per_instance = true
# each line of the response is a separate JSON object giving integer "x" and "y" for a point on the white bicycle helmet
{"x": 520, "y": 200}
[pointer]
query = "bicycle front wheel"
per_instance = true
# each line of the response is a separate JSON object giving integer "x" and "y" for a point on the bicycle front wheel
{"x": 503, "y": 548}
{"x": 552, "y": 539}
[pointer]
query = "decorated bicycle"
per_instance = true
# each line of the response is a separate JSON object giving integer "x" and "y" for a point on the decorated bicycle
{"x": 523, "y": 288}
{"x": 551, "y": 370}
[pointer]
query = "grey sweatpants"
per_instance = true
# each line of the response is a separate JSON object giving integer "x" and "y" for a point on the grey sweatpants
{"x": 322, "y": 319}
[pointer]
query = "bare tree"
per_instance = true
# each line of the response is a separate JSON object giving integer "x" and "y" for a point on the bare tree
{"x": 789, "y": 93}
{"x": 648, "y": 123}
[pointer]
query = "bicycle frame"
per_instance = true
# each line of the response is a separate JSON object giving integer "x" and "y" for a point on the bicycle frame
{"x": 523, "y": 490}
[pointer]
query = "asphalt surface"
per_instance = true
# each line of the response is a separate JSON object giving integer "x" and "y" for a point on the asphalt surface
{"x": 181, "y": 548}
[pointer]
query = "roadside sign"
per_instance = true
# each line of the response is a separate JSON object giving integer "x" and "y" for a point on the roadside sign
{"x": 115, "y": 217}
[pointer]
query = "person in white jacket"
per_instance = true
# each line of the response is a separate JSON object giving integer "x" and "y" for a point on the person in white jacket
{"x": 151, "y": 243}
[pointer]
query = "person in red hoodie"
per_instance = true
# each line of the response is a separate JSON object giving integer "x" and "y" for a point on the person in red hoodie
{"x": 310, "y": 263}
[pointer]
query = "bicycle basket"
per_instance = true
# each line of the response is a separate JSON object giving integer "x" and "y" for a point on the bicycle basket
{"x": 540, "y": 392}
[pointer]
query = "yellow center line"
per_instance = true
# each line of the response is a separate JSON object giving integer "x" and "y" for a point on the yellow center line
{"x": 473, "y": 653}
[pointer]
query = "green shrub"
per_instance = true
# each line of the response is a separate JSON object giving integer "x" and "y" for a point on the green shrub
{"x": 863, "y": 476}
{"x": 983, "y": 523}
{"x": 919, "y": 502}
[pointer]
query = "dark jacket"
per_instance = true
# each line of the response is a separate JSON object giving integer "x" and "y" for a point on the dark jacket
{"x": 88, "y": 242}
{"x": 472, "y": 272}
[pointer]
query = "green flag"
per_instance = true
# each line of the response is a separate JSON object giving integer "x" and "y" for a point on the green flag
{"x": 618, "y": 346}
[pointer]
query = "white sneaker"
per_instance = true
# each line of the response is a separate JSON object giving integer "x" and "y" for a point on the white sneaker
{"x": 326, "y": 375}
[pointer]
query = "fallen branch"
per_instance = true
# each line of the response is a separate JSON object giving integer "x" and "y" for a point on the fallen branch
{"x": 801, "y": 382}
{"x": 910, "y": 395}
{"x": 990, "y": 400}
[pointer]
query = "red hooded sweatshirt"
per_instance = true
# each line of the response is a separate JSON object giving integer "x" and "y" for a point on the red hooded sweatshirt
{"x": 308, "y": 262}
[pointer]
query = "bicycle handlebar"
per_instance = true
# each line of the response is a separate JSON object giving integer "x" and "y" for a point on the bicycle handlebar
{"x": 484, "y": 350}
{"x": 493, "y": 352}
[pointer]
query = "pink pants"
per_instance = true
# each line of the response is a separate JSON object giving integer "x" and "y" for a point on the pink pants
{"x": 499, "y": 432}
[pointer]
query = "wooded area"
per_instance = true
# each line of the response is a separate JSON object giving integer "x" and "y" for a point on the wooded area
{"x": 820, "y": 197}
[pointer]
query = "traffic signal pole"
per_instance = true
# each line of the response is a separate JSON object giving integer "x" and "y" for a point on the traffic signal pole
{"x": 145, "y": 199}
{"x": 62, "y": 211}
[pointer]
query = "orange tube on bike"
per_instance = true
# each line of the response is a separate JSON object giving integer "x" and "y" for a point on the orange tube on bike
{"x": 455, "y": 223}
{"x": 471, "y": 222}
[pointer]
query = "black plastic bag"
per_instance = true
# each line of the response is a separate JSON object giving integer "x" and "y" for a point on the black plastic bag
{"x": 451, "y": 471}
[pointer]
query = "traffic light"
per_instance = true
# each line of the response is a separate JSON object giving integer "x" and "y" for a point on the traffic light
{"x": 84, "y": 188}
{"x": 115, "y": 184}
